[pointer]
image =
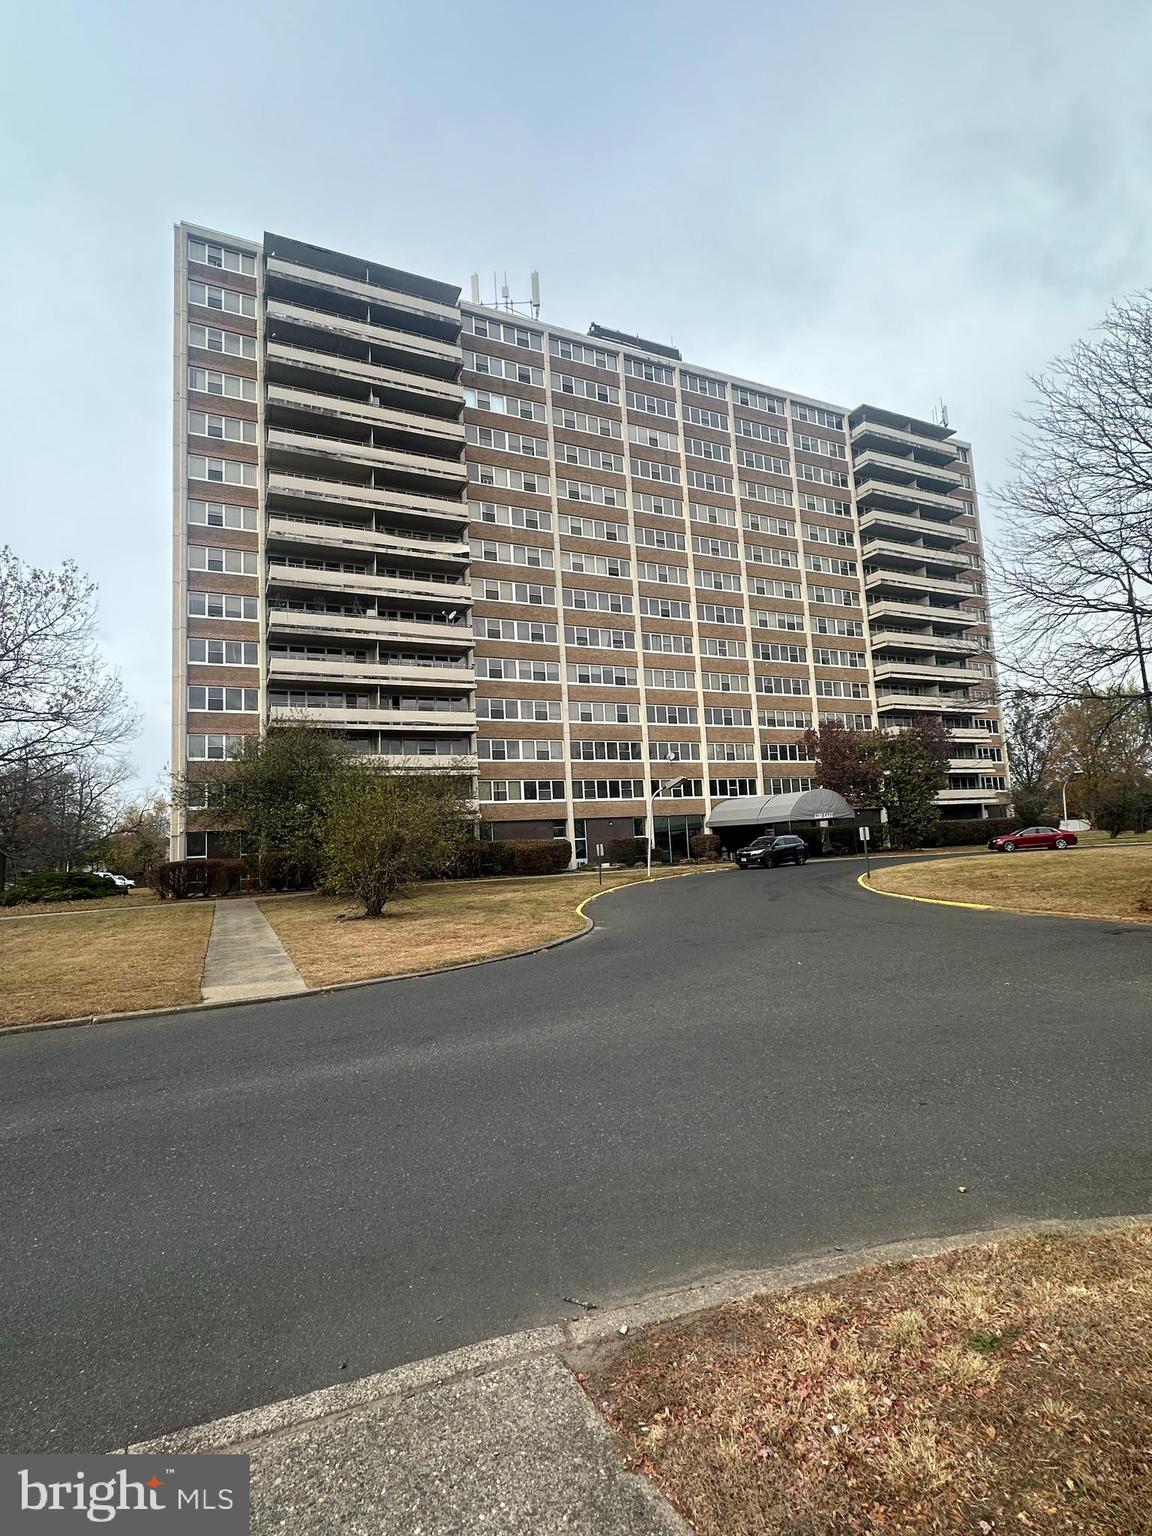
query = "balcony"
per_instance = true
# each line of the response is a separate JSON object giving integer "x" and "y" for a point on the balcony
{"x": 958, "y": 796}
{"x": 305, "y": 449}
{"x": 906, "y": 470}
{"x": 367, "y": 626}
{"x": 974, "y": 764}
{"x": 937, "y": 703}
{"x": 298, "y": 361}
{"x": 372, "y": 292}
{"x": 442, "y": 356}
{"x": 923, "y": 613}
{"x": 450, "y": 594}
{"x": 911, "y": 581}
{"x": 437, "y": 429}
{"x": 313, "y": 490}
{"x": 870, "y": 493}
{"x": 972, "y": 733}
{"x": 314, "y": 533}
{"x": 868, "y": 422}
{"x": 880, "y": 518}
{"x": 403, "y": 674}
{"x": 928, "y": 672}
{"x": 874, "y": 548}
{"x": 426, "y": 722}
{"x": 881, "y": 638}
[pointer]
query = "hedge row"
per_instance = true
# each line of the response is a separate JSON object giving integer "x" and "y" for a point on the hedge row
{"x": 958, "y": 834}
{"x": 548, "y": 856}
{"x": 180, "y": 878}
{"x": 59, "y": 885}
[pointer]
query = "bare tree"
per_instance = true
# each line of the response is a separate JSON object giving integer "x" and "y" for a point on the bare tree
{"x": 1074, "y": 571}
{"x": 57, "y": 699}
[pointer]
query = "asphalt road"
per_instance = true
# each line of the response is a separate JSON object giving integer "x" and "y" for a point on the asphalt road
{"x": 210, "y": 1211}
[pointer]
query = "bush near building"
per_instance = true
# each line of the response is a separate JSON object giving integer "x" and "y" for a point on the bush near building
{"x": 961, "y": 834}
{"x": 60, "y": 885}
{"x": 180, "y": 878}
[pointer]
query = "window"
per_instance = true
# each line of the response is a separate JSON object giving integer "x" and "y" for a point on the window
{"x": 506, "y": 442}
{"x": 756, "y": 522}
{"x": 766, "y": 651}
{"x": 209, "y": 254}
{"x": 513, "y": 669}
{"x": 836, "y": 596}
{"x": 496, "y": 791}
{"x": 577, "y": 421}
{"x": 594, "y": 528}
{"x": 755, "y": 490}
{"x": 669, "y": 677}
{"x": 674, "y": 751}
{"x": 224, "y": 653}
{"x": 512, "y": 554}
{"x": 586, "y": 389}
{"x": 726, "y": 714}
{"x": 220, "y": 605}
{"x": 824, "y": 476}
{"x": 515, "y": 592}
{"x": 673, "y": 644}
{"x": 755, "y": 401}
{"x": 608, "y": 789}
{"x": 659, "y": 506}
{"x": 699, "y": 384}
{"x": 793, "y": 685}
{"x": 592, "y": 675}
{"x": 523, "y": 630}
{"x": 210, "y": 296}
{"x": 767, "y": 463}
{"x": 578, "y": 352}
{"x": 722, "y": 549}
{"x": 701, "y": 512}
{"x": 500, "y": 750}
{"x": 589, "y": 458}
{"x": 229, "y": 428}
{"x": 699, "y": 481}
{"x": 785, "y": 719}
{"x": 820, "y": 445}
{"x": 654, "y": 405}
{"x": 813, "y": 413}
{"x": 653, "y": 437}
{"x": 648, "y": 469}
{"x": 733, "y": 650}
{"x": 224, "y": 700}
{"x": 660, "y": 538}
{"x": 655, "y": 373}
{"x": 761, "y": 430}
{"x": 218, "y": 514}
{"x": 705, "y": 448}
{"x": 511, "y": 334}
{"x": 510, "y": 517}
{"x": 724, "y": 682}
{"x": 208, "y": 381}
{"x": 825, "y": 504}
{"x": 597, "y": 602}
{"x": 702, "y": 418}
{"x": 599, "y": 639}
{"x": 668, "y": 575}
{"x": 767, "y": 586}
{"x": 731, "y": 752}
{"x": 235, "y": 562}
{"x": 791, "y": 621}
{"x": 607, "y": 751}
{"x": 827, "y": 688}
{"x": 717, "y": 613}
{"x": 209, "y": 339}
{"x": 830, "y": 565}
{"x": 825, "y": 658}
{"x": 817, "y": 534}
{"x": 504, "y": 405}
{"x": 665, "y": 608}
{"x": 518, "y": 709}
{"x": 727, "y": 789}
{"x": 823, "y": 626}
{"x": 849, "y": 722}
{"x": 214, "y": 747}
{"x": 503, "y": 368}
{"x": 690, "y": 789}
{"x": 593, "y": 565}
{"x": 672, "y": 714}
{"x": 596, "y": 712}
{"x": 222, "y": 471}
{"x": 787, "y": 786}
{"x": 768, "y": 554}
{"x": 783, "y": 752}
{"x": 600, "y": 495}
{"x": 509, "y": 479}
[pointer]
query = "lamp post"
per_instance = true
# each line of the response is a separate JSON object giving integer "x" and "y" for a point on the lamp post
{"x": 1077, "y": 773}
{"x": 673, "y": 757}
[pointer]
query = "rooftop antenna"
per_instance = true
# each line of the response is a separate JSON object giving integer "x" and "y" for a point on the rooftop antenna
{"x": 940, "y": 413}
{"x": 502, "y": 295}
{"x": 535, "y": 288}
{"x": 475, "y": 287}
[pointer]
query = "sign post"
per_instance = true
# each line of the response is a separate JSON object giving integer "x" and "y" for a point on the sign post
{"x": 599, "y": 863}
{"x": 865, "y": 836}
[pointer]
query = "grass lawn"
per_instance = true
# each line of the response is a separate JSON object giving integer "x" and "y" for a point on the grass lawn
{"x": 1104, "y": 882}
{"x": 86, "y": 962}
{"x": 133, "y": 901}
{"x": 439, "y": 924}
{"x": 994, "y": 1389}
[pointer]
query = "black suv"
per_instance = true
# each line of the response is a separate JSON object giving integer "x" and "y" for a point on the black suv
{"x": 767, "y": 852}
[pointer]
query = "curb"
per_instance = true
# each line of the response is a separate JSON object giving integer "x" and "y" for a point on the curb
{"x": 343, "y": 986}
{"x": 577, "y": 1342}
{"x": 865, "y": 882}
{"x": 976, "y": 906}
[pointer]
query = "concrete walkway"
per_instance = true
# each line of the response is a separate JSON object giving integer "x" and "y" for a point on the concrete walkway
{"x": 245, "y": 958}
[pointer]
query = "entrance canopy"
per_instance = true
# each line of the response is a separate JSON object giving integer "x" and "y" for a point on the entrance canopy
{"x": 770, "y": 810}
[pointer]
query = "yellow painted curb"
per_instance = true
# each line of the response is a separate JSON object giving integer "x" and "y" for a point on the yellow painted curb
{"x": 627, "y": 885}
{"x": 929, "y": 901}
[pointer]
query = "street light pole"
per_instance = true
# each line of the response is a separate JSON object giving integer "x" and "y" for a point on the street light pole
{"x": 673, "y": 757}
{"x": 1077, "y": 774}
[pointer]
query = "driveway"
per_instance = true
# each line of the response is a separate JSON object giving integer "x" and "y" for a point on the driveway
{"x": 209, "y": 1211}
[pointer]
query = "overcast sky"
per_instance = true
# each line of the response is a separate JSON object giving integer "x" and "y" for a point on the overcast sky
{"x": 898, "y": 202}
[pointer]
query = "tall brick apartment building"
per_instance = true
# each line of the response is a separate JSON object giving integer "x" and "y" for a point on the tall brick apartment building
{"x": 572, "y": 562}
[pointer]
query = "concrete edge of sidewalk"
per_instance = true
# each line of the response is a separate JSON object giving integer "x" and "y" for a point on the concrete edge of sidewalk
{"x": 577, "y": 1341}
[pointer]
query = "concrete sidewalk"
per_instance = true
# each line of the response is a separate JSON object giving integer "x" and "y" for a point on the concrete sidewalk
{"x": 245, "y": 959}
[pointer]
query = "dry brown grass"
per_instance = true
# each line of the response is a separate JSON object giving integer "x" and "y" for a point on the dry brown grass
{"x": 994, "y": 1389}
{"x": 1085, "y": 882}
{"x": 102, "y": 962}
{"x": 440, "y": 924}
{"x": 134, "y": 901}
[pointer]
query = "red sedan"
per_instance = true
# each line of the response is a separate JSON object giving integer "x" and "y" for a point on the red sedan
{"x": 1032, "y": 837}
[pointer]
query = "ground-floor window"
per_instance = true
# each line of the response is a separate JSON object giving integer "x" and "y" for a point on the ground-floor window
{"x": 671, "y": 835}
{"x": 579, "y": 839}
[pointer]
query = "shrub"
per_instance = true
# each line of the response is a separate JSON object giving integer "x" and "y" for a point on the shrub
{"x": 59, "y": 885}
{"x": 179, "y": 878}
{"x": 704, "y": 845}
{"x": 546, "y": 857}
{"x": 479, "y": 860}
{"x": 624, "y": 850}
{"x": 223, "y": 876}
{"x": 959, "y": 834}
